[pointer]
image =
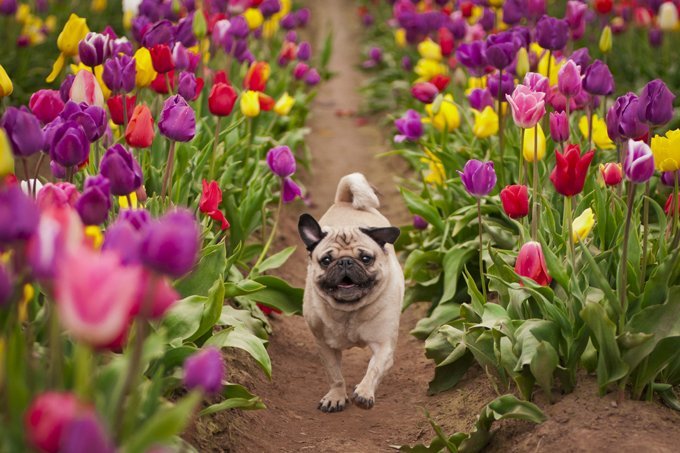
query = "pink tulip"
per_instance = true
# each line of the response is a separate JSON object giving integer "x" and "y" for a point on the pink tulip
{"x": 569, "y": 79}
{"x": 160, "y": 293}
{"x": 95, "y": 295}
{"x": 47, "y": 418}
{"x": 86, "y": 89}
{"x": 59, "y": 233}
{"x": 57, "y": 195}
{"x": 528, "y": 106}
{"x": 537, "y": 82}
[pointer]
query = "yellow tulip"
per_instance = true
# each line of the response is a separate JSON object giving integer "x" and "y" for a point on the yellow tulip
{"x": 269, "y": 28}
{"x": 427, "y": 69}
{"x": 477, "y": 13}
{"x": 284, "y": 104}
{"x": 73, "y": 32}
{"x": 430, "y": 50}
{"x": 6, "y": 86}
{"x": 6, "y": 158}
{"x": 23, "y": 13}
{"x": 400, "y": 37}
{"x": 94, "y": 236}
{"x": 496, "y": 3}
{"x": 145, "y": 71}
{"x": 522, "y": 63}
{"x": 28, "y": 295}
{"x": 447, "y": 118}
{"x": 668, "y": 16}
{"x": 528, "y": 148}
{"x": 554, "y": 68}
{"x": 600, "y": 137}
{"x": 253, "y": 17}
{"x": 606, "y": 40}
{"x": 582, "y": 225}
{"x": 666, "y": 151}
{"x": 474, "y": 83}
{"x": 98, "y": 5}
{"x": 250, "y": 103}
{"x": 486, "y": 122}
{"x": 123, "y": 201}
{"x": 98, "y": 74}
{"x": 436, "y": 174}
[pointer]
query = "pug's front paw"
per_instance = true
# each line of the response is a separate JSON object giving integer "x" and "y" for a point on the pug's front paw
{"x": 334, "y": 401}
{"x": 363, "y": 398}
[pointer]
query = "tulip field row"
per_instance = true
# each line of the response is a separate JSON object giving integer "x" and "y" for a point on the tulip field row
{"x": 141, "y": 183}
{"x": 545, "y": 208}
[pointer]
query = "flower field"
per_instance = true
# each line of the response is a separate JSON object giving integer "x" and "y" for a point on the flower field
{"x": 155, "y": 155}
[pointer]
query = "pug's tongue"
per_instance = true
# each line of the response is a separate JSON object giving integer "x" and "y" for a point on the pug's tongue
{"x": 346, "y": 283}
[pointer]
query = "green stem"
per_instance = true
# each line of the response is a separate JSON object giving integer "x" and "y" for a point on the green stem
{"x": 211, "y": 170}
{"x": 674, "y": 206}
{"x": 167, "y": 177}
{"x": 268, "y": 244}
{"x": 623, "y": 270}
{"x": 36, "y": 173}
{"x": 534, "y": 201}
{"x": 501, "y": 173}
{"x": 570, "y": 233}
{"x": 83, "y": 371}
{"x": 589, "y": 112}
{"x": 167, "y": 81}
{"x": 481, "y": 249}
{"x": 521, "y": 156}
{"x": 55, "y": 347}
{"x": 645, "y": 234}
{"x": 125, "y": 113}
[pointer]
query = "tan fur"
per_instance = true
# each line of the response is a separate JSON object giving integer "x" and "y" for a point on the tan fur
{"x": 373, "y": 321}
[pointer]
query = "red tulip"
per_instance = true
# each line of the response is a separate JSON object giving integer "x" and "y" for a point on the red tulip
{"x": 140, "y": 131}
{"x": 47, "y": 417}
{"x": 440, "y": 81}
{"x": 210, "y": 202}
{"x": 531, "y": 263}
{"x": 160, "y": 83}
{"x": 611, "y": 173}
{"x": 603, "y": 6}
{"x": 257, "y": 76}
{"x": 222, "y": 99}
{"x": 446, "y": 41}
{"x": 115, "y": 104}
{"x": 515, "y": 201}
{"x": 221, "y": 77}
{"x": 266, "y": 102}
{"x": 570, "y": 170}
{"x": 668, "y": 207}
{"x": 161, "y": 58}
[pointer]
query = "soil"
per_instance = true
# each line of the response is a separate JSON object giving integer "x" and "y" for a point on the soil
{"x": 341, "y": 144}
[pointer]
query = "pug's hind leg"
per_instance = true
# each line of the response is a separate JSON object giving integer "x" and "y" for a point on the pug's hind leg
{"x": 336, "y": 398}
{"x": 364, "y": 393}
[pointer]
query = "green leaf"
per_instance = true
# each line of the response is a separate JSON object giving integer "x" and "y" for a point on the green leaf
{"x": 448, "y": 376}
{"x": 210, "y": 267}
{"x": 597, "y": 275}
{"x": 423, "y": 208}
{"x": 554, "y": 265}
{"x": 238, "y": 337}
{"x": 453, "y": 263}
{"x": 241, "y": 288}
{"x": 243, "y": 318}
{"x": 275, "y": 261}
{"x": 278, "y": 294}
{"x": 656, "y": 288}
{"x": 442, "y": 314}
{"x": 236, "y": 397}
{"x": 211, "y": 310}
{"x": 543, "y": 365}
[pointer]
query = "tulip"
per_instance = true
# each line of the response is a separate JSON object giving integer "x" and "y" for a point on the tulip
{"x": 138, "y": 218}
{"x": 598, "y": 80}
{"x": 448, "y": 118}
{"x": 430, "y": 50}
{"x": 267, "y": 102}
{"x": 300, "y": 71}
{"x": 59, "y": 233}
{"x": 144, "y": 66}
{"x": 576, "y": 18}
{"x": 598, "y": 131}
{"x": 612, "y": 173}
{"x": 210, "y": 201}
{"x": 440, "y": 81}
{"x": 507, "y": 85}
{"x": 58, "y": 195}
{"x": 18, "y": 216}
{"x": 528, "y": 151}
{"x": 304, "y": 52}
{"x": 522, "y": 66}
{"x": 638, "y": 165}
{"x": 425, "y": 92}
{"x": 253, "y": 17}
{"x": 100, "y": 320}
{"x": 189, "y": 87}
{"x": 480, "y": 98}
{"x": 6, "y": 86}
{"x": 94, "y": 49}
{"x": 65, "y": 87}
{"x": 552, "y": 33}
{"x": 140, "y": 132}
{"x": 666, "y": 151}
{"x": 668, "y": 16}
{"x": 668, "y": 177}
{"x": 569, "y": 79}
{"x": 290, "y": 190}
{"x": 410, "y": 127}
{"x": 204, "y": 370}
{"x": 528, "y": 107}
{"x": 571, "y": 169}
{"x": 95, "y": 202}
{"x": 312, "y": 78}
{"x": 68, "y": 40}
{"x": 91, "y": 118}
{"x": 473, "y": 56}
{"x": 655, "y": 105}
{"x": 655, "y": 37}
{"x": 46, "y": 105}
{"x": 582, "y": 225}
{"x": 419, "y": 223}
{"x": 501, "y": 49}
{"x": 250, "y": 104}
{"x": 6, "y": 159}
{"x": 86, "y": 89}
{"x": 257, "y": 76}
{"x": 70, "y": 146}
{"x": 170, "y": 244}
{"x": 115, "y": 104}
{"x": 536, "y": 82}
{"x": 515, "y": 200}
{"x": 479, "y": 178}
{"x": 178, "y": 120}
{"x": 8, "y": 7}
{"x": 667, "y": 207}
{"x": 161, "y": 32}
{"x": 47, "y": 418}
{"x": 486, "y": 123}
{"x": 622, "y": 119}
{"x": 86, "y": 433}
{"x": 281, "y": 161}
{"x": 120, "y": 74}
{"x": 559, "y": 126}
{"x": 531, "y": 263}
{"x": 122, "y": 170}
{"x": 23, "y": 130}
{"x": 284, "y": 104}
{"x": 605, "y": 43}
{"x": 156, "y": 293}
{"x": 222, "y": 99}
{"x": 161, "y": 58}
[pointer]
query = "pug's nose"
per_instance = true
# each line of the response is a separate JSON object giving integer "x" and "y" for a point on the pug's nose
{"x": 345, "y": 263}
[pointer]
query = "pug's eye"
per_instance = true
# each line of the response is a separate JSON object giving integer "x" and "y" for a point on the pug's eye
{"x": 366, "y": 259}
{"x": 325, "y": 261}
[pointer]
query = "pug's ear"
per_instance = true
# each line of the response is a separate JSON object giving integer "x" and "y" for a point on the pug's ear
{"x": 382, "y": 236}
{"x": 310, "y": 231}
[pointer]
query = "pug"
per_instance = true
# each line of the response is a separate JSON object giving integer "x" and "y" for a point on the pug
{"x": 354, "y": 289}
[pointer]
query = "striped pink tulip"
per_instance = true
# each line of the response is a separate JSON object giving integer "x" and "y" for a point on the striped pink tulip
{"x": 528, "y": 106}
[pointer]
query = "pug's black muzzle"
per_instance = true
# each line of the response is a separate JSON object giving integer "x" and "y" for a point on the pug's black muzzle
{"x": 347, "y": 280}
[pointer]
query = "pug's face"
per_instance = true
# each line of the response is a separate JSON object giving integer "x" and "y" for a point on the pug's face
{"x": 347, "y": 263}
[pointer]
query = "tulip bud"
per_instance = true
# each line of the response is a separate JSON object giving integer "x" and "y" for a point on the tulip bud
{"x": 170, "y": 244}
{"x": 189, "y": 87}
{"x": 582, "y": 225}
{"x": 531, "y": 263}
{"x": 284, "y": 104}
{"x": 300, "y": 71}
{"x": 94, "y": 49}
{"x": 140, "y": 132}
{"x": 410, "y": 127}
{"x": 559, "y": 126}
{"x": 144, "y": 66}
{"x": 46, "y": 105}
{"x": 570, "y": 170}
{"x": 281, "y": 161}
{"x": 23, "y": 130}
{"x": 222, "y": 99}
{"x": 612, "y": 173}
{"x": 250, "y": 103}
{"x": 425, "y": 92}
{"x": 522, "y": 66}
{"x": 479, "y": 178}
{"x": 70, "y": 146}
{"x": 515, "y": 201}
{"x": 569, "y": 79}
{"x": 161, "y": 58}
{"x": 598, "y": 79}
{"x": 606, "y": 40}
{"x": 115, "y": 104}
{"x": 655, "y": 104}
{"x": 419, "y": 223}
{"x": 638, "y": 165}
{"x": 204, "y": 370}
{"x": 6, "y": 86}
{"x": 528, "y": 147}
{"x": 668, "y": 16}
{"x": 86, "y": 433}
{"x": 18, "y": 217}
{"x": 312, "y": 77}
{"x": 200, "y": 27}
{"x": 95, "y": 202}
{"x": 655, "y": 36}
{"x": 668, "y": 206}
{"x": 304, "y": 52}
{"x": 668, "y": 178}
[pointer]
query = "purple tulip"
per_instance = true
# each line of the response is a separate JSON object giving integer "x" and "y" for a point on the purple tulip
{"x": 70, "y": 146}
{"x": 85, "y": 433}
{"x": 458, "y": 28}
{"x": 138, "y": 218}
{"x": 139, "y": 26}
{"x": 178, "y": 120}
{"x": 668, "y": 178}
{"x": 188, "y": 86}
{"x": 170, "y": 244}
{"x": 304, "y": 52}
{"x": 559, "y": 126}
{"x": 638, "y": 165}
{"x": 552, "y": 33}
{"x": 6, "y": 286}
{"x": 23, "y": 130}
{"x": 302, "y": 16}
{"x": 124, "y": 239}
{"x": 480, "y": 98}
{"x": 582, "y": 58}
{"x": 122, "y": 46}
{"x": 18, "y": 215}
{"x": 94, "y": 49}
{"x": 375, "y": 54}
{"x": 119, "y": 74}
{"x": 46, "y": 105}
{"x": 419, "y": 223}
{"x": 290, "y": 190}
{"x": 184, "y": 31}
{"x": 501, "y": 49}
{"x": 122, "y": 170}
{"x": 204, "y": 370}
{"x": 409, "y": 126}
{"x": 488, "y": 19}
{"x": 655, "y": 36}
{"x": 576, "y": 18}
{"x": 598, "y": 80}
{"x": 655, "y": 103}
{"x": 288, "y": 22}
{"x": 479, "y": 178}
{"x": 507, "y": 84}
{"x": 270, "y": 7}
{"x": 622, "y": 119}
{"x": 180, "y": 56}
{"x": 281, "y": 161}
{"x": 406, "y": 63}
{"x": 239, "y": 27}
{"x": 312, "y": 77}
{"x": 473, "y": 56}
{"x": 57, "y": 170}
{"x": 65, "y": 87}
{"x": 162, "y": 32}
{"x": 535, "y": 8}
{"x": 95, "y": 202}
{"x": 569, "y": 79}
{"x": 8, "y": 7}
{"x": 92, "y": 119}
{"x": 513, "y": 11}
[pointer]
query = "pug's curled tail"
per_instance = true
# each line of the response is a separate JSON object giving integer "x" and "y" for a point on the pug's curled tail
{"x": 355, "y": 189}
